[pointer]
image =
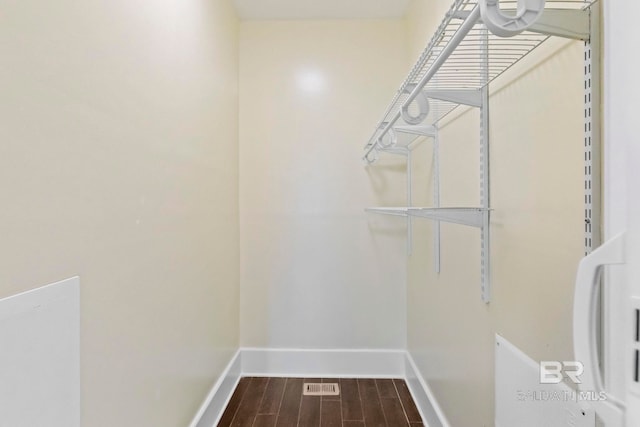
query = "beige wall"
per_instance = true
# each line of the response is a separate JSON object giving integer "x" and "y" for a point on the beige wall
{"x": 118, "y": 163}
{"x": 421, "y": 20}
{"x": 317, "y": 272}
{"x": 536, "y": 229}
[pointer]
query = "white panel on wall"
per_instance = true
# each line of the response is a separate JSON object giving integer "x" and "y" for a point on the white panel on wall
{"x": 522, "y": 401}
{"x": 40, "y": 357}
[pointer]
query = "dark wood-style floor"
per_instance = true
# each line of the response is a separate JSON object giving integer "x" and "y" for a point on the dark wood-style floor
{"x": 278, "y": 402}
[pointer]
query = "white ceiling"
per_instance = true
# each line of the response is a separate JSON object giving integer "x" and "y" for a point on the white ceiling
{"x": 320, "y": 9}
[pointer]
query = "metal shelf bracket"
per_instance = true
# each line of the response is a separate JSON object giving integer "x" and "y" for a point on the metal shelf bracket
{"x": 472, "y": 217}
{"x": 471, "y": 97}
{"x": 469, "y": 216}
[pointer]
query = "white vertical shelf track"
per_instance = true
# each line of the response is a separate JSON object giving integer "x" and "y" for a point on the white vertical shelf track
{"x": 485, "y": 250}
{"x": 592, "y": 136}
{"x": 409, "y": 204}
{"x": 436, "y": 200}
{"x": 476, "y": 42}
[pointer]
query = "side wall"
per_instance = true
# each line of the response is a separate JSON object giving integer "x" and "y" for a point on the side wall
{"x": 119, "y": 163}
{"x": 317, "y": 272}
{"x": 536, "y": 163}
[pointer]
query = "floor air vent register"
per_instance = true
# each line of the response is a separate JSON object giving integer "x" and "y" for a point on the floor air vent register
{"x": 321, "y": 389}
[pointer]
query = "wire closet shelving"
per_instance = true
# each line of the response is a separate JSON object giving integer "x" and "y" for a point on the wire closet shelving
{"x": 477, "y": 41}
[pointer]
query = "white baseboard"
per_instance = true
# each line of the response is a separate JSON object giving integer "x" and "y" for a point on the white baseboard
{"x": 267, "y": 362}
{"x": 323, "y": 363}
{"x": 431, "y": 412}
{"x": 213, "y": 406}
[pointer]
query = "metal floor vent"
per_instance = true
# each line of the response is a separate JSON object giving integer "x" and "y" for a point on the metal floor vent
{"x": 318, "y": 389}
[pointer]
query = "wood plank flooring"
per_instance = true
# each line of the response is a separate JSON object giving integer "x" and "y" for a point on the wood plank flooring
{"x": 278, "y": 402}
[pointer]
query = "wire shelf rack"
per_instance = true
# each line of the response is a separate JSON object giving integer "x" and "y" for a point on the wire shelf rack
{"x": 476, "y": 60}
{"x": 477, "y": 41}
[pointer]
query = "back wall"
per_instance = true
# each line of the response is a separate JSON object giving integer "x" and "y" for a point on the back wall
{"x": 316, "y": 271}
{"x": 118, "y": 163}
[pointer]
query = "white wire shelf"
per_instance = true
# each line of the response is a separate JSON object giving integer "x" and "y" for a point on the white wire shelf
{"x": 477, "y": 41}
{"x": 462, "y": 58}
{"x": 470, "y": 216}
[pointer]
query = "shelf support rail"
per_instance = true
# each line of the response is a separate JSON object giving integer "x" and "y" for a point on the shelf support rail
{"x": 409, "y": 204}
{"x": 485, "y": 201}
{"x": 436, "y": 201}
{"x": 592, "y": 135}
